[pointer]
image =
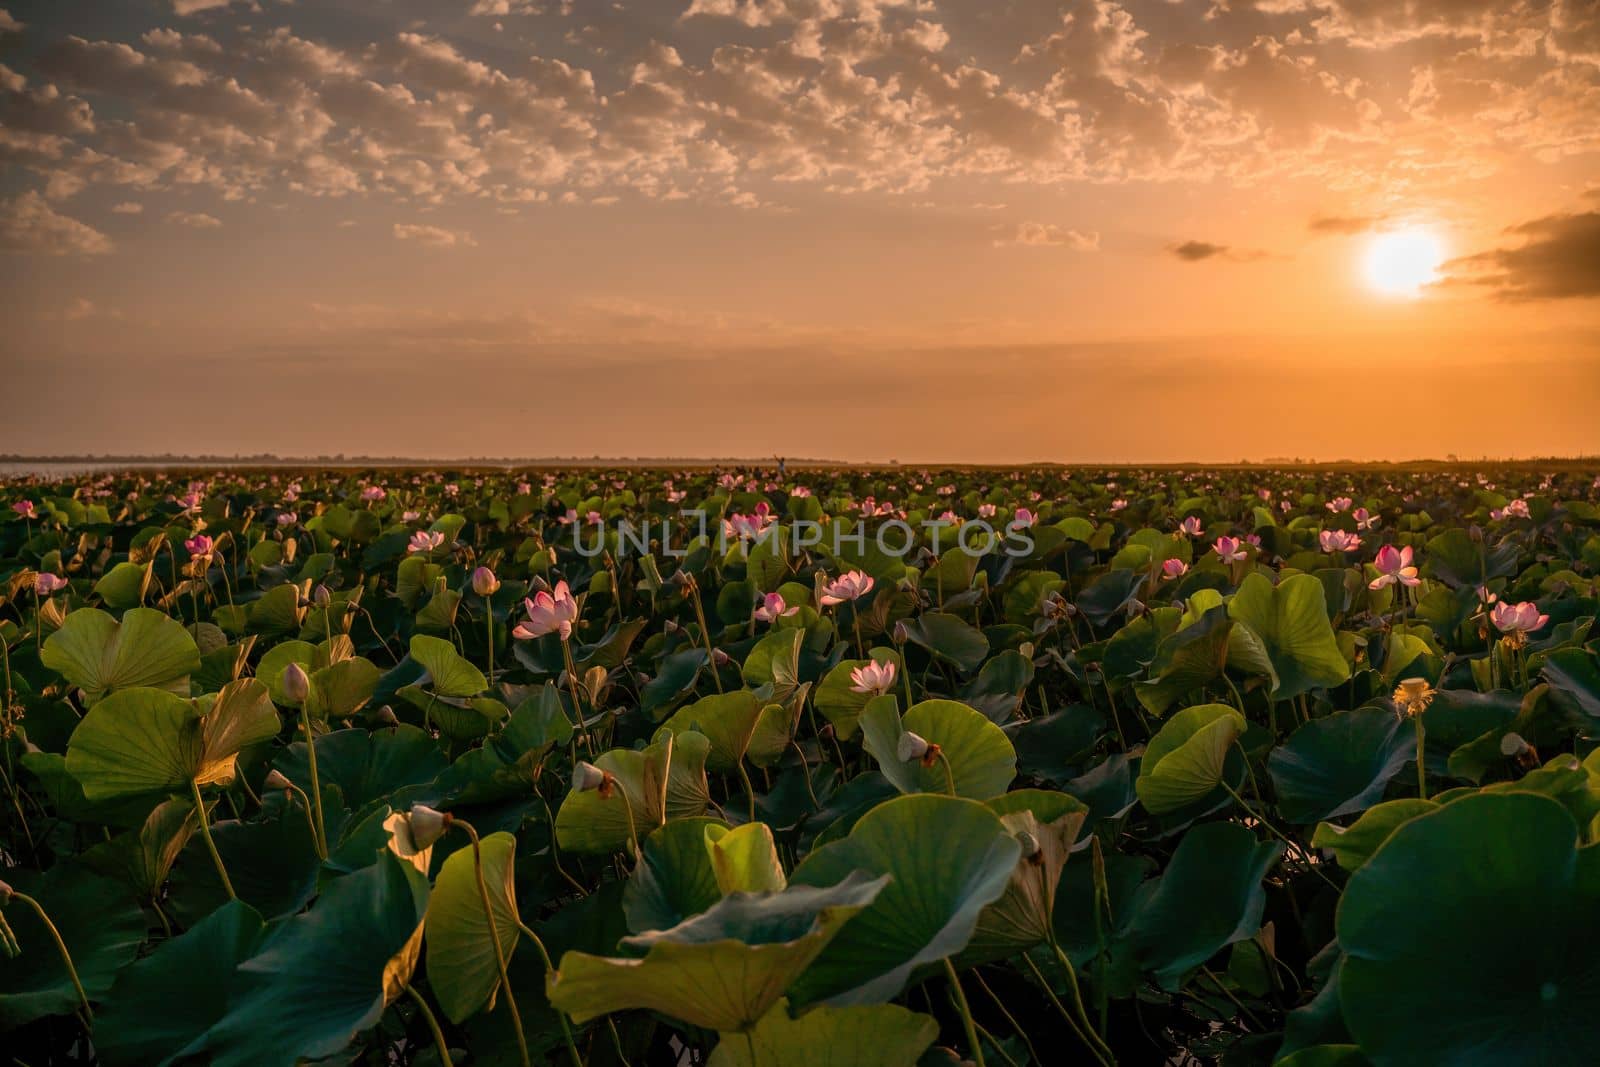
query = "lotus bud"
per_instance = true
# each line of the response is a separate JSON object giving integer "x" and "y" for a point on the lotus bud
{"x": 321, "y": 596}
{"x": 901, "y": 636}
{"x": 296, "y": 684}
{"x": 586, "y": 777}
{"x": 276, "y": 780}
{"x": 670, "y": 627}
{"x": 912, "y": 746}
{"x": 428, "y": 824}
{"x": 386, "y": 715}
{"x": 552, "y": 555}
{"x": 720, "y": 658}
{"x": 484, "y": 583}
{"x": 1513, "y": 745}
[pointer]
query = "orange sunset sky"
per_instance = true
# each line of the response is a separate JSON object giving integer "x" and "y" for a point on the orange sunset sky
{"x": 1071, "y": 230}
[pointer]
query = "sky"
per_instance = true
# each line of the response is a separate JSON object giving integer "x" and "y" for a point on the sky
{"x": 924, "y": 230}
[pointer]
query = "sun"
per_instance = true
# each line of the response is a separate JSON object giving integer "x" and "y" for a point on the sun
{"x": 1400, "y": 262}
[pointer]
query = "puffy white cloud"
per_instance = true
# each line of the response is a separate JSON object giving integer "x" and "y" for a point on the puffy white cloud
{"x": 29, "y": 224}
{"x": 1048, "y": 234}
{"x": 436, "y": 236}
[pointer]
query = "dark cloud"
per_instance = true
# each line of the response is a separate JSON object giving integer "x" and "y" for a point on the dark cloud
{"x": 1344, "y": 224}
{"x": 1195, "y": 251}
{"x": 1559, "y": 258}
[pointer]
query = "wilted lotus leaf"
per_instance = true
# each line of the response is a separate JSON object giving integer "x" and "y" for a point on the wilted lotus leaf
{"x": 462, "y": 966}
{"x": 1184, "y": 761}
{"x": 981, "y": 759}
{"x": 876, "y": 1035}
{"x": 1045, "y": 825}
{"x": 949, "y": 858}
{"x": 99, "y": 655}
{"x": 722, "y": 969}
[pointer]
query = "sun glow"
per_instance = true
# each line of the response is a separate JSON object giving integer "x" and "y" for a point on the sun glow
{"x": 1399, "y": 263}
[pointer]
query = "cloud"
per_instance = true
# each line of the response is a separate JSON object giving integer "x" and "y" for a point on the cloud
{"x": 1559, "y": 258}
{"x": 191, "y": 7}
{"x": 29, "y": 224}
{"x": 197, "y": 220}
{"x": 1344, "y": 224}
{"x": 8, "y": 24}
{"x": 1048, "y": 234}
{"x": 436, "y": 236}
{"x": 128, "y": 207}
{"x": 1195, "y": 251}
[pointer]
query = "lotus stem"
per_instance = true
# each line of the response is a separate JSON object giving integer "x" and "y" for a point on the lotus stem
{"x": 1422, "y": 768}
{"x": 949, "y": 774}
{"x": 433, "y": 1026}
{"x": 705, "y": 632}
{"x": 572, "y": 688}
{"x": 61, "y": 947}
{"x": 319, "y": 832}
{"x": 488, "y": 624}
{"x": 550, "y": 968}
{"x": 966, "y": 1012}
{"x": 211, "y": 845}
{"x": 311, "y": 820}
{"x": 1044, "y": 983}
{"x": 749, "y": 790}
{"x": 494, "y": 939}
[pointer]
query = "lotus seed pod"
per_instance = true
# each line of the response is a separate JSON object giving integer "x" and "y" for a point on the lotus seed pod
{"x": 586, "y": 777}
{"x": 484, "y": 583}
{"x": 1513, "y": 745}
{"x": 387, "y": 716}
{"x": 912, "y": 746}
{"x": 276, "y": 780}
{"x": 427, "y": 825}
{"x": 296, "y": 684}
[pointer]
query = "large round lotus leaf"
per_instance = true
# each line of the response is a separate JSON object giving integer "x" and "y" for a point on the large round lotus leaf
{"x": 136, "y": 741}
{"x": 664, "y": 781}
{"x": 1184, "y": 761}
{"x": 1353, "y": 845}
{"x": 950, "y": 638}
{"x": 163, "y": 1004}
{"x": 722, "y": 969}
{"x": 728, "y": 720}
{"x": 1473, "y": 937}
{"x": 1209, "y": 897}
{"x": 462, "y": 966}
{"x": 745, "y": 860}
{"x": 1022, "y": 917}
{"x": 341, "y": 689}
{"x": 1185, "y": 661}
{"x": 96, "y": 917}
{"x": 674, "y": 878}
{"x": 326, "y": 974}
{"x": 125, "y": 585}
{"x": 366, "y": 766}
{"x": 99, "y": 655}
{"x": 1283, "y": 633}
{"x": 272, "y": 863}
{"x": 452, "y": 675}
{"x": 876, "y": 1035}
{"x": 1341, "y": 763}
{"x": 950, "y": 858}
{"x": 838, "y": 702}
{"x": 980, "y": 755}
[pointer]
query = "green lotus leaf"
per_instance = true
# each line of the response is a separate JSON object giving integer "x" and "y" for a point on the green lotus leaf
{"x": 143, "y": 858}
{"x": 451, "y": 674}
{"x": 136, "y": 741}
{"x": 981, "y": 759}
{"x": 1471, "y": 937}
{"x": 949, "y": 638}
{"x": 1353, "y": 845}
{"x": 277, "y": 658}
{"x": 1209, "y": 896}
{"x": 272, "y": 863}
{"x": 723, "y": 969}
{"x": 99, "y": 655}
{"x": 462, "y": 966}
{"x": 1184, "y": 761}
{"x": 745, "y": 860}
{"x": 1340, "y": 763}
{"x": 124, "y": 586}
{"x": 674, "y": 878}
{"x": 341, "y": 689}
{"x": 949, "y": 858}
{"x": 326, "y": 974}
{"x": 162, "y": 1005}
{"x": 664, "y": 781}
{"x": 366, "y": 766}
{"x": 1185, "y": 661}
{"x": 728, "y": 720}
{"x": 97, "y": 919}
{"x": 876, "y": 1035}
{"x": 1283, "y": 633}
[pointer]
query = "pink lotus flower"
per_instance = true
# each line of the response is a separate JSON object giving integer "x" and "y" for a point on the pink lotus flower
{"x": 1518, "y": 618}
{"x": 1230, "y": 549}
{"x": 1173, "y": 568}
{"x": 1486, "y": 595}
{"x": 949, "y": 516}
{"x": 852, "y": 585}
{"x": 875, "y": 678}
{"x": 772, "y": 608}
{"x": 25, "y": 509}
{"x": 548, "y": 613}
{"x": 1394, "y": 565}
{"x": 374, "y": 493}
{"x": 484, "y": 582}
{"x": 1024, "y": 517}
{"x": 46, "y": 584}
{"x": 1264, "y": 494}
{"x": 424, "y": 541}
{"x": 800, "y": 491}
{"x": 1118, "y": 504}
{"x": 199, "y": 545}
{"x": 190, "y": 502}
{"x": 1339, "y": 541}
{"x": 1338, "y": 504}
{"x": 524, "y": 489}
{"x": 410, "y": 516}
{"x": 1365, "y": 520}
{"x": 1192, "y": 526}
{"x": 594, "y": 518}
{"x": 986, "y": 511}
{"x": 1517, "y": 509}
{"x": 569, "y": 518}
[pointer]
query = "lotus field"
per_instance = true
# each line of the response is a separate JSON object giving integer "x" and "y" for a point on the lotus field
{"x": 762, "y": 768}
